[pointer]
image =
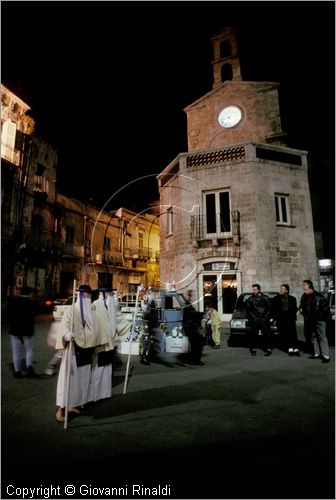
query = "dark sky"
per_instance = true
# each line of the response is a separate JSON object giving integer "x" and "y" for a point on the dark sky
{"x": 107, "y": 81}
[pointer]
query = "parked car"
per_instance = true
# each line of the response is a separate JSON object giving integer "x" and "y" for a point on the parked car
{"x": 60, "y": 306}
{"x": 239, "y": 322}
{"x": 330, "y": 296}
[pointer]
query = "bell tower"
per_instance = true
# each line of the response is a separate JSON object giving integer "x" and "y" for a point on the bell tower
{"x": 226, "y": 63}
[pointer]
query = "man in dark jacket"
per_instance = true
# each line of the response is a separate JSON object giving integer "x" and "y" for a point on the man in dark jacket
{"x": 23, "y": 310}
{"x": 284, "y": 309}
{"x": 258, "y": 308}
{"x": 192, "y": 327}
{"x": 315, "y": 310}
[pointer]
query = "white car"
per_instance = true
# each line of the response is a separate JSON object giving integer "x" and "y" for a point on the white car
{"x": 60, "y": 306}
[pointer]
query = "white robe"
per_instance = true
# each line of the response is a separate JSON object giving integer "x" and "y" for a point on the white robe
{"x": 114, "y": 327}
{"x": 81, "y": 385}
{"x": 102, "y": 375}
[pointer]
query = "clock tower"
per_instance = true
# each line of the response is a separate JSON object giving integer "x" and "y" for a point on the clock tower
{"x": 236, "y": 206}
{"x": 234, "y": 111}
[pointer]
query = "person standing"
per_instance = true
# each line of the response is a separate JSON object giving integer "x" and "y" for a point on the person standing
{"x": 22, "y": 312}
{"x": 208, "y": 339}
{"x": 112, "y": 327}
{"x": 85, "y": 335}
{"x": 102, "y": 365}
{"x": 258, "y": 308}
{"x": 192, "y": 326}
{"x": 284, "y": 309}
{"x": 215, "y": 326}
{"x": 316, "y": 312}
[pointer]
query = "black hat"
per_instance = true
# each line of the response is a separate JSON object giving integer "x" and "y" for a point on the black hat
{"x": 84, "y": 288}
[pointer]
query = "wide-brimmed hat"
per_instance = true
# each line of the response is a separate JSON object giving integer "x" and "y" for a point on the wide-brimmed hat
{"x": 84, "y": 288}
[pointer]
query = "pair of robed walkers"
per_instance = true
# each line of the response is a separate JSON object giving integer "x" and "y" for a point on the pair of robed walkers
{"x": 88, "y": 335}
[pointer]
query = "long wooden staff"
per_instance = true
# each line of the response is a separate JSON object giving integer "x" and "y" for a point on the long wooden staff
{"x": 68, "y": 354}
{"x": 131, "y": 340}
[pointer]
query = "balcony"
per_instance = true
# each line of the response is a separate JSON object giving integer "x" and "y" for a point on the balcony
{"x": 40, "y": 187}
{"x": 221, "y": 227}
{"x": 142, "y": 253}
{"x": 10, "y": 154}
{"x": 70, "y": 250}
{"x": 37, "y": 247}
{"x": 112, "y": 258}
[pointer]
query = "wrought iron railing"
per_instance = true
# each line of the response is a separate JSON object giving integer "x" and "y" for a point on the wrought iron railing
{"x": 225, "y": 226}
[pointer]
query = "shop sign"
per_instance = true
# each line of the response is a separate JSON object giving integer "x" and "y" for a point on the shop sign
{"x": 221, "y": 266}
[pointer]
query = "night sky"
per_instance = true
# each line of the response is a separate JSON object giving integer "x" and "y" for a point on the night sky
{"x": 107, "y": 83}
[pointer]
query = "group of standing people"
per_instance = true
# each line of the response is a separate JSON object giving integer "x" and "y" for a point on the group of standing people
{"x": 283, "y": 308}
{"x": 93, "y": 329}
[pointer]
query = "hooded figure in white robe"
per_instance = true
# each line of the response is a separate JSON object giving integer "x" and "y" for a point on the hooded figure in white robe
{"x": 85, "y": 336}
{"x": 113, "y": 326}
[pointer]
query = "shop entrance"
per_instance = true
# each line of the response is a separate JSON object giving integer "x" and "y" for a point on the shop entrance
{"x": 220, "y": 290}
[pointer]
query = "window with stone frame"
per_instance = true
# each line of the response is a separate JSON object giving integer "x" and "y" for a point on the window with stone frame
{"x": 282, "y": 209}
{"x": 170, "y": 220}
{"x": 217, "y": 219}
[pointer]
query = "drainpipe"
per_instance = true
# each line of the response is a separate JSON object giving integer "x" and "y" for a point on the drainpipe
{"x": 84, "y": 240}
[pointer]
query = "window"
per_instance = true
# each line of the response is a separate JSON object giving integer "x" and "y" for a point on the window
{"x": 218, "y": 215}
{"x": 40, "y": 169}
{"x": 69, "y": 234}
{"x": 107, "y": 243}
{"x": 225, "y": 49}
{"x": 226, "y": 72}
{"x": 282, "y": 209}
{"x": 141, "y": 240}
{"x": 87, "y": 247}
{"x": 37, "y": 227}
{"x": 170, "y": 220}
{"x": 8, "y": 132}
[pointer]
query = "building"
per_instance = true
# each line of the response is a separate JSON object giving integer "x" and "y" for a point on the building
{"x": 49, "y": 239}
{"x": 236, "y": 208}
{"x": 28, "y": 219}
{"x": 118, "y": 248}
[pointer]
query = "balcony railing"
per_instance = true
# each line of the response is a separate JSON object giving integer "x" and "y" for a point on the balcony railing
{"x": 222, "y": 226}
{"x": 41, "y": 184}
{"x": 112, "y": 258}
{"x": 138, "y": 253}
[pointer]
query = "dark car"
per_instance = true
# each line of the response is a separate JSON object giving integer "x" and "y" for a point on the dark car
{"x": 330, "y": 296}
{"x": 239, "y": 322}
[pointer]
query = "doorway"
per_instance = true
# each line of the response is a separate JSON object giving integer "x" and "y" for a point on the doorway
{"x": 221, "y": 290}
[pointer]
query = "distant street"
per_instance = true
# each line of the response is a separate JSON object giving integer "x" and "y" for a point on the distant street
{"x": 238, "y": 427}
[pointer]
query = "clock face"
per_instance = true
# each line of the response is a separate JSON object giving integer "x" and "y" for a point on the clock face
{"x": 230, "y": 116}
